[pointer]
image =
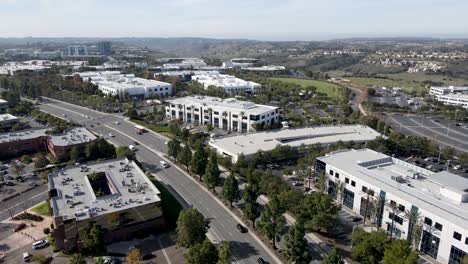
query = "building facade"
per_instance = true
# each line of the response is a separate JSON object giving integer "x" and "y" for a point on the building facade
{"x": 229, "y": 84}
{"x": 60, "y": 145}
{"x": 13, "y": 144}
{"x": 456, "y": 96}
{"x": 3, "y": 106}
{"x": 387, "y": 190}
{"x": 113, "y": 83}
{"x": 227, "y": 114}
{"x": 114, "y": 194}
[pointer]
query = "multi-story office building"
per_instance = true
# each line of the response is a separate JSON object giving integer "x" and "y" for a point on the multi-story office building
{"x": 228, "y": 114}
{"x": 114, "y": 194}
{"x": 104, "y": 47}
{"x": 230, "y": 84}
{"x": 77, "y": 50}
{"x": 113, "y": 83}
{"x": 394, "y": 188}
{"x": 60, "y": 145}
{"x": 457, "y": 96}
{"x": 22, "y": 142}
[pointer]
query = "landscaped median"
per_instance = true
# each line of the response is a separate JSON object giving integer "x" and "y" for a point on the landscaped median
{"x": 165, "y": 130}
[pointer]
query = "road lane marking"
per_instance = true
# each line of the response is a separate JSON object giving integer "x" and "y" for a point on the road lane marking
{"x": 20, "y": 203}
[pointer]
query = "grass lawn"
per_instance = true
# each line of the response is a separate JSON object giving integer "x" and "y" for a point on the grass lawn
{"x": 421, "y": 76}
{"x": 42, "y": 209}
{"x": 332, "y": 90}
{"x": 158, "y": 129}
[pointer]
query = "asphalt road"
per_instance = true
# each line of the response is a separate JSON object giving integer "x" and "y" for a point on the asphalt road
{"x": 439, "y": 130}
{"x": 246, "y": 248}
{"x": 25, "y": 200}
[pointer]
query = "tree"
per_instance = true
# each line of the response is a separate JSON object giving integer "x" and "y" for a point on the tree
{"x": 124, "y": 151}
{"x": 224, "y": 252}
{"x": 368, "y": 248}
{"x": 272, "y": 222}
{"x": 413, "y": 217}
{"x": 134, "y": 256}
{"x": 185, "y": 156}
{"x": 333, "y": 258}
{"x": 92, "y": 238}
{"x": 17, "y": 168}
{"x": 321, "y": 210}
{"x": 199, "y": 160}
{"x": 230, "y": 188}
{"x": 394, "y": 209}
{"x": 173, "y": 148}
{"x": 75, "y": 154}
{"x": 77, "y": 259}
{"x": 369, "y": 193}
{"x": 132, "y": 113}
{"x": 25, "y": 159}
{"x": 40, "y": 161}
{"x": 202, "y": 253}
{"x": 99, "y": 260}
{"x": 322, "y": 182}
{"x": 212, "y": 171}
{"x": 296, "y": 245}
{"x": 399, "y": 252}
{"x": 241, "y": 163}
{"x": 191, "y": 228}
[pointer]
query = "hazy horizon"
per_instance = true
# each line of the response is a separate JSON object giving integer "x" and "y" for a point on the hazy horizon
{"x": 273, "y": 20}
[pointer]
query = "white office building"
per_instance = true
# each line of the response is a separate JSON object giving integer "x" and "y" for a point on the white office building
{"x": 457, "y": 96}
{"x": 251, "y": 143}
{"x": 441, "y": 199}
{"x": 228, "y": 114}
{"x": 230, "y": 84}
{"x": 113, "y": 83}
{"x": 437, "y": 90}
{"x": 182, "y": 63}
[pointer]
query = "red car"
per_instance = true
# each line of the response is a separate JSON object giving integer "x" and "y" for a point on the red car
{"x": 19, "y": 227}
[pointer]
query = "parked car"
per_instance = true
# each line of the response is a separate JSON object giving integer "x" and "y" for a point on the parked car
{"x": 9, "y": 183}
{"x": 241, "y": 228}
{"x": 19, "y": 227}
{"x": 261, "y": 261}
{"x": 163, "y": 164}
{"x": 297, "y": 183}
{"x": 26, "y": 257}
{"x": 39, "y": 244}
{"x": 111, "y": 135}
{"x": 20, "y": 179}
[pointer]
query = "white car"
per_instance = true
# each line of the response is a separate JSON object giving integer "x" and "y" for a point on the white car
{"x": 111, "y": 135}
{"x": 39, "y": 244}
{"x": 117, "y": 122}
{"x": 163, "y": 164}
{"x": 131, "y": 147}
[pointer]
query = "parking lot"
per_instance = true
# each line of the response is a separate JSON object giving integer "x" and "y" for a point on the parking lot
{"x": 438, "y": 129}
{"x": 390, "y": 97}
{"x": 11, "y": 184}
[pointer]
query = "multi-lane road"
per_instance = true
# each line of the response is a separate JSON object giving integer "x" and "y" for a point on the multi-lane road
{"x": 439, "y": 130}
{"x": 246, "y": 248}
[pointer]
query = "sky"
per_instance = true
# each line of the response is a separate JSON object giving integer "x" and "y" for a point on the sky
{"x": 250, "y": 19}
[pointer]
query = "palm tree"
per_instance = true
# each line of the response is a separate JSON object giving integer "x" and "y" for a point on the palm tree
{"x": 224, "y": 118}
{"x": 394, "y": 210}
{"x": 242, "y": 114}
{"x": 339, "y": 191}
{"x": 369, "y": 193}
{"x": 413, "y": 217}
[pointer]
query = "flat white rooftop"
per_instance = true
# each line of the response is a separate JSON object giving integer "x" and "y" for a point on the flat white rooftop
{"x": 125, "y": 186}
{"x": 22, "y": 135}
{"x": 444, "y": 194}
{"x": 74, "y": 136}
{"x": 249, "y": 144}
{"x": 223, "y": 80}
{"x": 218, "y": 104}
{"x": 7, "y": 117}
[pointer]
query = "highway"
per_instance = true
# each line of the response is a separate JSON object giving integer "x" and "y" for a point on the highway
{"x": 246, "y": 248}
{"x": 25, "y": 200}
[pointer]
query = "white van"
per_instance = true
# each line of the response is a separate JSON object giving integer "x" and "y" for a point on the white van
{"x": 163, "y": 164}
{"x": 26, "y": 257}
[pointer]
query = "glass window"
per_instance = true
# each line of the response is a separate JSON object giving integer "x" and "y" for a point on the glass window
{"x": 347, "y": 180}
{"x": 428, "y": 221}
{"x": 337, "y": 175}
{"x": 456, "y": 255}
{"x": 430, "y": 244}
{"x": 331, "y": 172}
{"x": 353, "y": 183}
{"x": 466, "y": 240}
{"x": 348, "y": 198}
{"x": 364, "y": 189}
{"x": 438, "y": 226}
{"x": 457, "y": 236}
{"x": 401, "y": 208}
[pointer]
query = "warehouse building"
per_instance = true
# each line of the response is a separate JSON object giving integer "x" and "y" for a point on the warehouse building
{"x": 395, "y": 188}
